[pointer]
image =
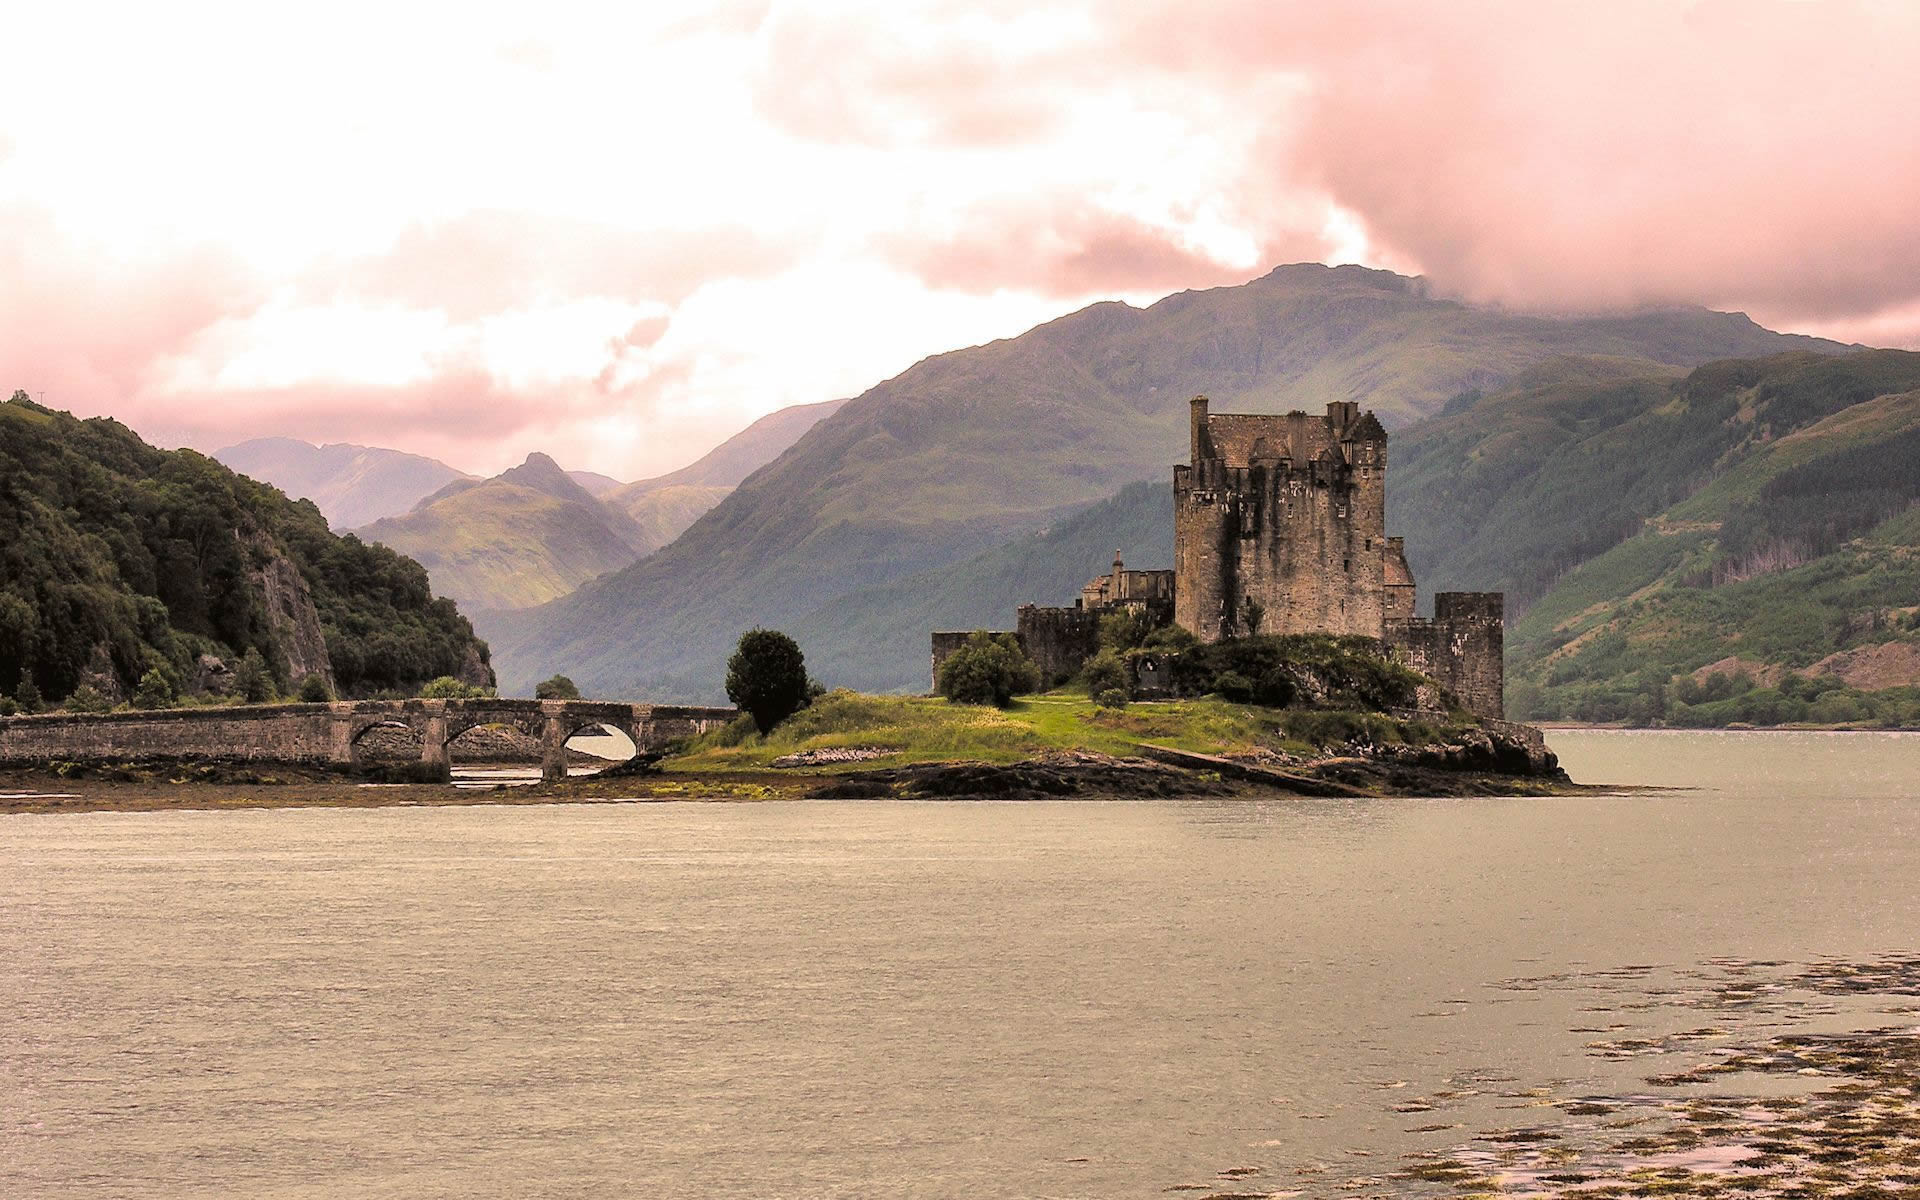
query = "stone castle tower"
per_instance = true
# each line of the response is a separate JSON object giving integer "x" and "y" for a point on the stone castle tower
{"x": 1279, "y": 526}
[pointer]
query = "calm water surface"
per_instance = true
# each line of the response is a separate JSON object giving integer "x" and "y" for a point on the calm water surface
{"x": 896, "y": 999}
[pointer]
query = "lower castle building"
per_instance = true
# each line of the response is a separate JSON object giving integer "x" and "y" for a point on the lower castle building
{"x": 1280, "y": 527}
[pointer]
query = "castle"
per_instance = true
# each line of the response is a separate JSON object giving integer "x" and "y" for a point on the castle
{"x": 1280, "y": 527}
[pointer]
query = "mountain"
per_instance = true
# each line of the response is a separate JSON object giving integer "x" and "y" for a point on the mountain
{"x": 745, "y": 452}
{"x": 352, "y": 485}
{"x": 966, "y": 450}
{"x": 118, "y": 560}
{"x": 523, "y": 537}
{"x": 597, "y": 484}
{"x": 666, "y": 505}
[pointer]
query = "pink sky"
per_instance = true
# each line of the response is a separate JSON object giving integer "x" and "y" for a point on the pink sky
{"x": 474, "y": 231}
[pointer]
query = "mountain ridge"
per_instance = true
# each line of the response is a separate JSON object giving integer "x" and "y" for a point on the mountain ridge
{"x": 964, "y": 450}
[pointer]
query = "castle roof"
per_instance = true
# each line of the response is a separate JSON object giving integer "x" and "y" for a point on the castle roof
{"x": 1367, "y": 429}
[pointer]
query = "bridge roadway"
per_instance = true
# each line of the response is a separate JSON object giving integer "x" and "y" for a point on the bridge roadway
{"x": 328, "y": 734}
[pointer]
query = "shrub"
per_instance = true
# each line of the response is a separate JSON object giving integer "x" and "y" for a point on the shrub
{"x": 314, "y": 690}
{"x": 7, "y": 706}
{"x": 87, "y": 699}
{"x": 252, "y": 682}
{"x": 1123, "y": 630}
{"x": 1107, "y": 672}
{"x": 446, "y": 687}
{"x": 1173, "y": 638}
{"x": 767, "y": 677}
{"x": 557, "y": 688}
{"x": 156, "y": 690}
{"x": 1112, "y": 698}
{"x": 989, "y": 669}
{"x": 28, "y": 696}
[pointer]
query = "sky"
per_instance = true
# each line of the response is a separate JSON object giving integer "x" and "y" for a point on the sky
{"x": 619, "y": 233}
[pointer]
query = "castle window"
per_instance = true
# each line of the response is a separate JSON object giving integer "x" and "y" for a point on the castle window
{"x": 1346, "y": 564}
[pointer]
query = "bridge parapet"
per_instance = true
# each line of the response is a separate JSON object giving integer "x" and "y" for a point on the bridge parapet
{"x": 326, "y": 734}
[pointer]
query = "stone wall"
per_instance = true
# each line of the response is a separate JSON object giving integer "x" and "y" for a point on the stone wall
{"x": 1058, "y": 640}
{"x": 1462, "y": 648}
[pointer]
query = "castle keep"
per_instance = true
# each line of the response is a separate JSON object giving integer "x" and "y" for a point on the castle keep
{"x": 1280, "y": 527}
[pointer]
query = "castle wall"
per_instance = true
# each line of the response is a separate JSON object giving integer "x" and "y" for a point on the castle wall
{"x": 1058, "y": 640}
{"x": 1462, "y": 648}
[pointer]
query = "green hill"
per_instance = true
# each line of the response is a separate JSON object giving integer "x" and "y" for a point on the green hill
{"x": 521, "y": 538}
{"x": 117, "y": 559}
{"x": 966, "y": 451}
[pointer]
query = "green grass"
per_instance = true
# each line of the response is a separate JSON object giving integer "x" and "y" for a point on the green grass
{"x": 931, "y": 729}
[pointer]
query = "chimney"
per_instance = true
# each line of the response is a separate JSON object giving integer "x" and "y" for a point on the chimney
{"x": 1200, "y": 449}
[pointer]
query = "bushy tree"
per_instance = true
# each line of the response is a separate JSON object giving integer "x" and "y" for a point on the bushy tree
{"x": 1123, "y": 630}
{"x": 28, "y": 695}
{"x": 557, "y": 688}
{"x": 87, "y": 699}
{"x": 314, "y": 690}
{"x": 1107, "y": 672}
{"x": 989, "y": 669}
{"x": 252, "y": 681}
{"x": 446, "y": 687}
{"x": 156, "y": 690}
{"x": 767, "y": 677}
{"x": 1173, "y": 638}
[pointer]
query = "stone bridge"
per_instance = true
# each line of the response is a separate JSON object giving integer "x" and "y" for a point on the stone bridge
{"x": 328, "y": 734}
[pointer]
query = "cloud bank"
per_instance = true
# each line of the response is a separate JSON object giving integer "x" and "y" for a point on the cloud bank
{"x": 619, "y": 240}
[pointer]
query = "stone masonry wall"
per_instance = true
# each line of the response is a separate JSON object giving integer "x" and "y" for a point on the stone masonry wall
{"x": 1462, "y": 648}
{"x": 1058, "y": 640}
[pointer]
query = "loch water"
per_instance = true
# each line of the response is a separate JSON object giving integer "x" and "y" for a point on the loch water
{"x": 815, "y": 999}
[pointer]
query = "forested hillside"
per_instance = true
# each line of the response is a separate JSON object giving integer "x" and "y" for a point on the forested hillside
{"x": 1750, "y": 520}
{"x": 969, "y": 450}
{"x": 118, "y": 559}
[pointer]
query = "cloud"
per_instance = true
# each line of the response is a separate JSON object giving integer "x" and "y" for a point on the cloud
{"x": 1545, "y": 156}
{"x": 1065, "y": 250}
{"x": 86, "y": 329}
{"x": 485, "y": 262}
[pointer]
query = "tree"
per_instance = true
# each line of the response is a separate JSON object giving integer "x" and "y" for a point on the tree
{"x": 1174, "y": 638}
{"x": 156, "y": 690}
{"x": 1107, "y": 672}
{"x": 28, "y": 695}
{"x": 988, "y": 669}
{"x": 314, "y": 690}
{"x": 87, "y": 699}
{"x": 767, "y": 676}
{"x": 557, "y": 688}
{"x": 252, "y": 682}
{"x": 1123, "y": 630}
{"x": 446, "y": 687}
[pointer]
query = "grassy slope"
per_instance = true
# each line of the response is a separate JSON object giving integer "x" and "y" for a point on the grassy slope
{"x": 966, "y": 450}
{"x": 930, "y": 729}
